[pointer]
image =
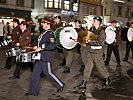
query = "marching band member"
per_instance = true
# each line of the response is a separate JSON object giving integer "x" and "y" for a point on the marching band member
{"x": 129, "y": 43}
{"x": 15, "y": 38}
{"x": 74, "y": 51}
{"x": 92, "y": 54}
{"x": 24, "y": 40}
{"x": 56, "y": 25}
{"x": 113, "y": 40}
{"x": 46, "y": 46}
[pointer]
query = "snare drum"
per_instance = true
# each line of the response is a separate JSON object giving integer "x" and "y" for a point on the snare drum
{"x": 6, "y": 42}
{"x": 12, "y": 52}
{"x": 36, "y": 56}
{"x": 24, "y": 57}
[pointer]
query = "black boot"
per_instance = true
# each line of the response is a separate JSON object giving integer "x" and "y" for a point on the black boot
{"x": 67, "y": 70}
{"x": 82, "y": 85}
{"x": 63, "y": 62}
{"x": 82, "y": 68}
{"x": 106, "y": 82}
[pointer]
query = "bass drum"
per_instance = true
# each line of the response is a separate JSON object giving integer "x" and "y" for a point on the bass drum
{"x": 68, "y": 37}
{"x": 57, "y": 37}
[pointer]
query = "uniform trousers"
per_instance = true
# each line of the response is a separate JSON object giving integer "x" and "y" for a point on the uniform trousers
{"x": 45, "y": 67}
{"x": 129, "y": 46}
{"x": 114, "y": 48}
{"x": 90, "y": 61}
{"x": 8, "y": 62}
{"x": 70, "y": 56}
{"x": 61, "y": 52}
{"x": 19, "y": 66}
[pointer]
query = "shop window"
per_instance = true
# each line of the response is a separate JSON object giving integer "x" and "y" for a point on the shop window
{"x": 20, "y": 2}
{"x": 75, "y": 6}
{"x": 3, "y": 1}
{"x": 66, "y": 5}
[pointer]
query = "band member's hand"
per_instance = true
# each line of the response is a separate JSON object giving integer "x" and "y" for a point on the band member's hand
{"x": 9, "y": 37}
{"x": 38, "y": 49}
{"x": 115, "y": 40}
{"x": 17, "y": 44}
{"x": 87, "y": 40}
{"x": 35, "y": 47}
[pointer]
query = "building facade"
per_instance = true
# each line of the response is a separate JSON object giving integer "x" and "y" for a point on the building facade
{"x": 15, "y": 8}
{"x": 89, "y": 9}
{"x": 120, "y": 10}
{"x": 67, "y": 9}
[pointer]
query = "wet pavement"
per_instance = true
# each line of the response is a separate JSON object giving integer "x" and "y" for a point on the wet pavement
{"x": 120, "y": 88}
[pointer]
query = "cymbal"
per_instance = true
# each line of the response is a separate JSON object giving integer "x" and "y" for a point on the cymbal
{"x": 83, "y": 35}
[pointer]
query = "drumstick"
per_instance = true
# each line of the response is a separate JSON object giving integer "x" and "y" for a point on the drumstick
{"x": 28, "y": 47}
{"x": 31, "y": 52}
{"x": 75, "y": 40}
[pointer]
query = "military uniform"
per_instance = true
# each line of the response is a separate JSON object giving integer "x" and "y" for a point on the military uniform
{"x": 129, "y": 43}
{"x": 47, "y": 42}
{"x": 71, "y": 53}
{"x": 113, "y": 44}
{"x": 24, "y": 40}
{"x": 59, "y": 50}
{"x": 94, "y": 56}
{"x": 15, "y": 38}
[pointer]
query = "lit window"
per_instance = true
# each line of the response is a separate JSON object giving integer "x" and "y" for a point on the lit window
{"x": 66, "y": 5}
{"x": 45, "y": 4}
{"x": 57, "y": 3}
{"x": 50, "y": 3}
{"x": 75, "y": 7}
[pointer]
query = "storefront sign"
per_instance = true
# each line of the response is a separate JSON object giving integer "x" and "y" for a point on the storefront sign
{"x": 65, "y": 12}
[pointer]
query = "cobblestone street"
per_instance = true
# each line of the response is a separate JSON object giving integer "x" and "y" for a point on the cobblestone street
{"x": 121, "y": 87}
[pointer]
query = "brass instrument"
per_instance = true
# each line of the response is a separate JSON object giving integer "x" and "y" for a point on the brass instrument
{"x": 85, "y": 35}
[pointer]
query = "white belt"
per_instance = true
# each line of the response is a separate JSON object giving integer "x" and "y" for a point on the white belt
{"x": 96, "y": 47}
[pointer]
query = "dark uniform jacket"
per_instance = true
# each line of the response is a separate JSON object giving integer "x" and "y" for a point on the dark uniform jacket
{"x": 55, "y": 26}
{"x": 47, "y": 42}
{"x": 25, "y": 39}
{"x": 100, "y": 40}
{"x": 15, "y": 35}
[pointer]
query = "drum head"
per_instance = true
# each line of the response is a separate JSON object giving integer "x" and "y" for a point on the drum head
{"x": 67, "y": 37}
